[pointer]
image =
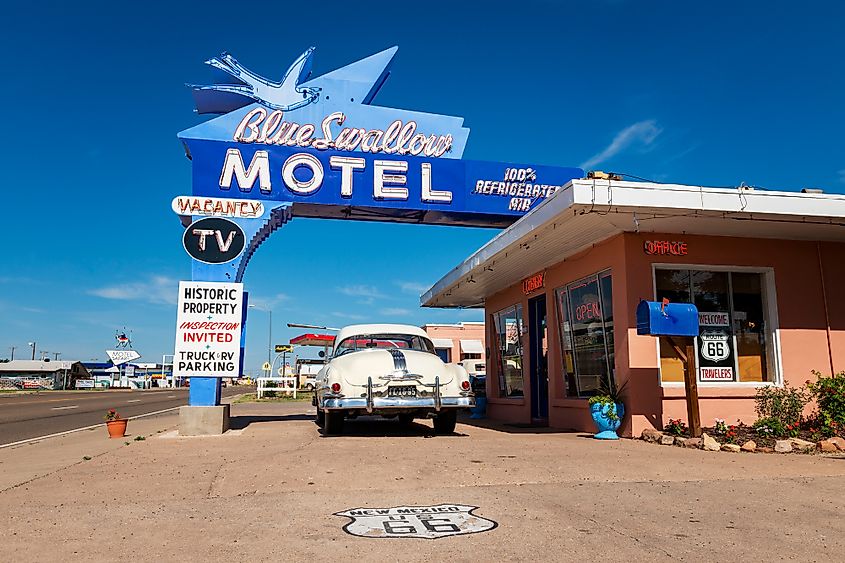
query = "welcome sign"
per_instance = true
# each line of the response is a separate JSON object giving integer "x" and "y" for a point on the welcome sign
{"x": 321, "y": 145}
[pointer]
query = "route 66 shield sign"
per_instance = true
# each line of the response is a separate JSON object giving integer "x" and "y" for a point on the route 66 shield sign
{"x": 427, "y": 522}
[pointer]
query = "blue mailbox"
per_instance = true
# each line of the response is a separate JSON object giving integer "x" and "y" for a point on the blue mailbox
{"x": 667, "y": 319}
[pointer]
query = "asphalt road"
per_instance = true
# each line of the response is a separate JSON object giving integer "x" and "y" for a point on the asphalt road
{"x": 24, "y": 416}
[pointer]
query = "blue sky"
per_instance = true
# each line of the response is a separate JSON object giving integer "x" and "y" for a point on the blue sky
{"x": 712, "y": 93}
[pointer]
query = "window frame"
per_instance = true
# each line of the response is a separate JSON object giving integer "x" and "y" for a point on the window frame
{"x": 565, "y": 289}
{"x": 774, "y": 361}
{"x": 518, "y": 311}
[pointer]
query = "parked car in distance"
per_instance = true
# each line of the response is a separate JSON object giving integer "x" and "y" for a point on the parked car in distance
{"x": 390, "y": 370}
{"x": 306, "y": 372}
{"x": 477, "y": 368}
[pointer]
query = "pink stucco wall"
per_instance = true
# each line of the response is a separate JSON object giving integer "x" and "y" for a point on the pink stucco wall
{"x": 811, "y": 329}
{"x": 457, "y": 332}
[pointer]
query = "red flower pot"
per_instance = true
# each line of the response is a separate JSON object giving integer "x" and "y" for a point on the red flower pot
{"x": 116, "y": 428}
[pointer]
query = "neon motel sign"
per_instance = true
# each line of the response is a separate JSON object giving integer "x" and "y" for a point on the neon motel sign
{"x": 321, "y": 148}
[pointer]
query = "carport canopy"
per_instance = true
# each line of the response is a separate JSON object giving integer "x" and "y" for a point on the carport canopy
{"x": 309, "y": 339}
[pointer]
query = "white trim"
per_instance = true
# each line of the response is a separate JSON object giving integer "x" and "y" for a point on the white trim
{"x": 773, "y": 359}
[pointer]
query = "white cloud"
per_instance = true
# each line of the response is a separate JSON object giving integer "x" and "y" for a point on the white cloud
{"x": 157, "y": 289}
{"x": 643, "y": 133}
{"x": 414, "y": 288}
{"x": 394, "y": 312}
{"x": 350, "y": 316}
{"x": 269, "y": 301}
{"x": 370, "y": 291}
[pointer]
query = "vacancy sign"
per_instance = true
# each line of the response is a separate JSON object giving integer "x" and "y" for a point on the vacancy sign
{"x": 208, "y": 329}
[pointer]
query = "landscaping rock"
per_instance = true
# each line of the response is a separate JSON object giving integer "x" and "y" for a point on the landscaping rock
{"x": 749, "y": 446}
{"x": 679, "y": 441}
{"x": 839, "y": 443}
{"x": 709, "y": 443}
{"x": 669, "y": 440}
{"x": 651, "y": 435}
{"x": 827, "y": 446}
{"x": 731, "y": 448}
{"x": 802, "y": 445}
{"x": 692, "y": 443}
{"x": 765, "y": 450}
{"x": 783, "y": 446}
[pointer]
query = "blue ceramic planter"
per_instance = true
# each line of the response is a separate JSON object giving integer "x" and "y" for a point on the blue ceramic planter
{"x": 480, "y": 408}
{"x": 607, "y": 427}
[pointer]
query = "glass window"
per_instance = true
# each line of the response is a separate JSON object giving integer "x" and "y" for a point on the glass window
{"x": 509, "y": 331}
{"x": 384, "y": 341}
{"x": 749, "y": 326}
{"x": 732, "y": 342}
{"x": 470, "y": 356}
{"x": 445, "y": 354}
{"x": 585, "y": 310}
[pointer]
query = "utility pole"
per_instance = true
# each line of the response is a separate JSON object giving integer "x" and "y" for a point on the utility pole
{"x": 13, "y": 352}
{"x": 32, "y": 345}
{"x": 56, "y": 355}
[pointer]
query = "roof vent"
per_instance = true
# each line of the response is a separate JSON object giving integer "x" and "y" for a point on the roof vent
{"x": 812, "y": 191}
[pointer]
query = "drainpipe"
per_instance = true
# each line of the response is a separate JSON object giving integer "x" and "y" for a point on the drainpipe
{"x": 826, "y": 312}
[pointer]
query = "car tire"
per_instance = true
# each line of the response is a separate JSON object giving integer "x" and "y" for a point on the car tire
{"x": 321, "y": 418}
{"x": 406, "y": 419}
{"x": 444, "y": 423}
{"x": 334, "y": 422}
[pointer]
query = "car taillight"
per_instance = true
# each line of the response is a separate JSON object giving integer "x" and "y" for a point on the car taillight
{"x": 335, "y": 387}
{"x": 465, "y": 385}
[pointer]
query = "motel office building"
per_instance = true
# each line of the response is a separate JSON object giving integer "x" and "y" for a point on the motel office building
{"x": 560, "y": 288}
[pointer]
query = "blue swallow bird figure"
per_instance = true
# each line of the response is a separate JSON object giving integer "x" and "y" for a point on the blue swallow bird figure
{"x": 285, "y": 95}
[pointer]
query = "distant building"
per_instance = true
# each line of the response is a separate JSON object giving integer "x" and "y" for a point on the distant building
{"x": 459, "y": 341}
{"x": 41, "y": 374}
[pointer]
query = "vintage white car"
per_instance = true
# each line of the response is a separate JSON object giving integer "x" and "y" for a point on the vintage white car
{"x": 390, "y": 370}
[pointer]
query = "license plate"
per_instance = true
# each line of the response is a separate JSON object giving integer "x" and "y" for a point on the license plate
{"x": 403, "y": 391}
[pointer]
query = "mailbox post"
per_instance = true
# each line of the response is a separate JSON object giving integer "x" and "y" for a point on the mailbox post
{"x": 675, "y": 320}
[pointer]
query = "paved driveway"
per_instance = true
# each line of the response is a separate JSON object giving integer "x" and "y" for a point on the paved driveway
{"x": 269, "y": 490}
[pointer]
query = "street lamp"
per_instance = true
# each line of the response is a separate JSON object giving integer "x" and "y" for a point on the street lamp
{"x": 269, "y": 329}
{"x": 32, "y": 345}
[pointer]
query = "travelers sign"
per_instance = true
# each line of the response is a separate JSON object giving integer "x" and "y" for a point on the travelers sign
{"x": 208, "y": 329}
{"x": 715, "y": 347}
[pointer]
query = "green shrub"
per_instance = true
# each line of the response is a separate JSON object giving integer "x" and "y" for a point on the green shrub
{"x": 770, "y": 426}
{"x": 829, "y": 393}
{"x": 783, "y": 404}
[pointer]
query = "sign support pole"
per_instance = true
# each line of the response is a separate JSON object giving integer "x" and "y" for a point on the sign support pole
{"x": 690, "y": 385}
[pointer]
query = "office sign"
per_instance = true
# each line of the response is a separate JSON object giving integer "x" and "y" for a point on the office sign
{"x": 208, "y": 329}
{"x": 283, "y": 348}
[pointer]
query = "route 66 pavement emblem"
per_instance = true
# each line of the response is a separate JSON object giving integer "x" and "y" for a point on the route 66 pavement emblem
{"x": 428, "y": 522}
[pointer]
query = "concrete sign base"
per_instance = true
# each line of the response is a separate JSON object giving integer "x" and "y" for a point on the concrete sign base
{"x": 203, "y": 421}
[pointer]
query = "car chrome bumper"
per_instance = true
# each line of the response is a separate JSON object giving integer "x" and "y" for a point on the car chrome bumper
{"x": 377, "y": 403}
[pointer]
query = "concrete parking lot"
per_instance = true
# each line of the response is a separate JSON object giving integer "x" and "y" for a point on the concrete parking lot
{"x": 268, "y": 491}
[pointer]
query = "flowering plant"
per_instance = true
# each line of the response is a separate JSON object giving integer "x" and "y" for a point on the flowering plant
{"x": 829, "y": 393}
{"x": 675, "y": 427}
{"x": 112, "y": 414}
{"x": 731, "y": 434}
{"x": 720, "y": 427}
